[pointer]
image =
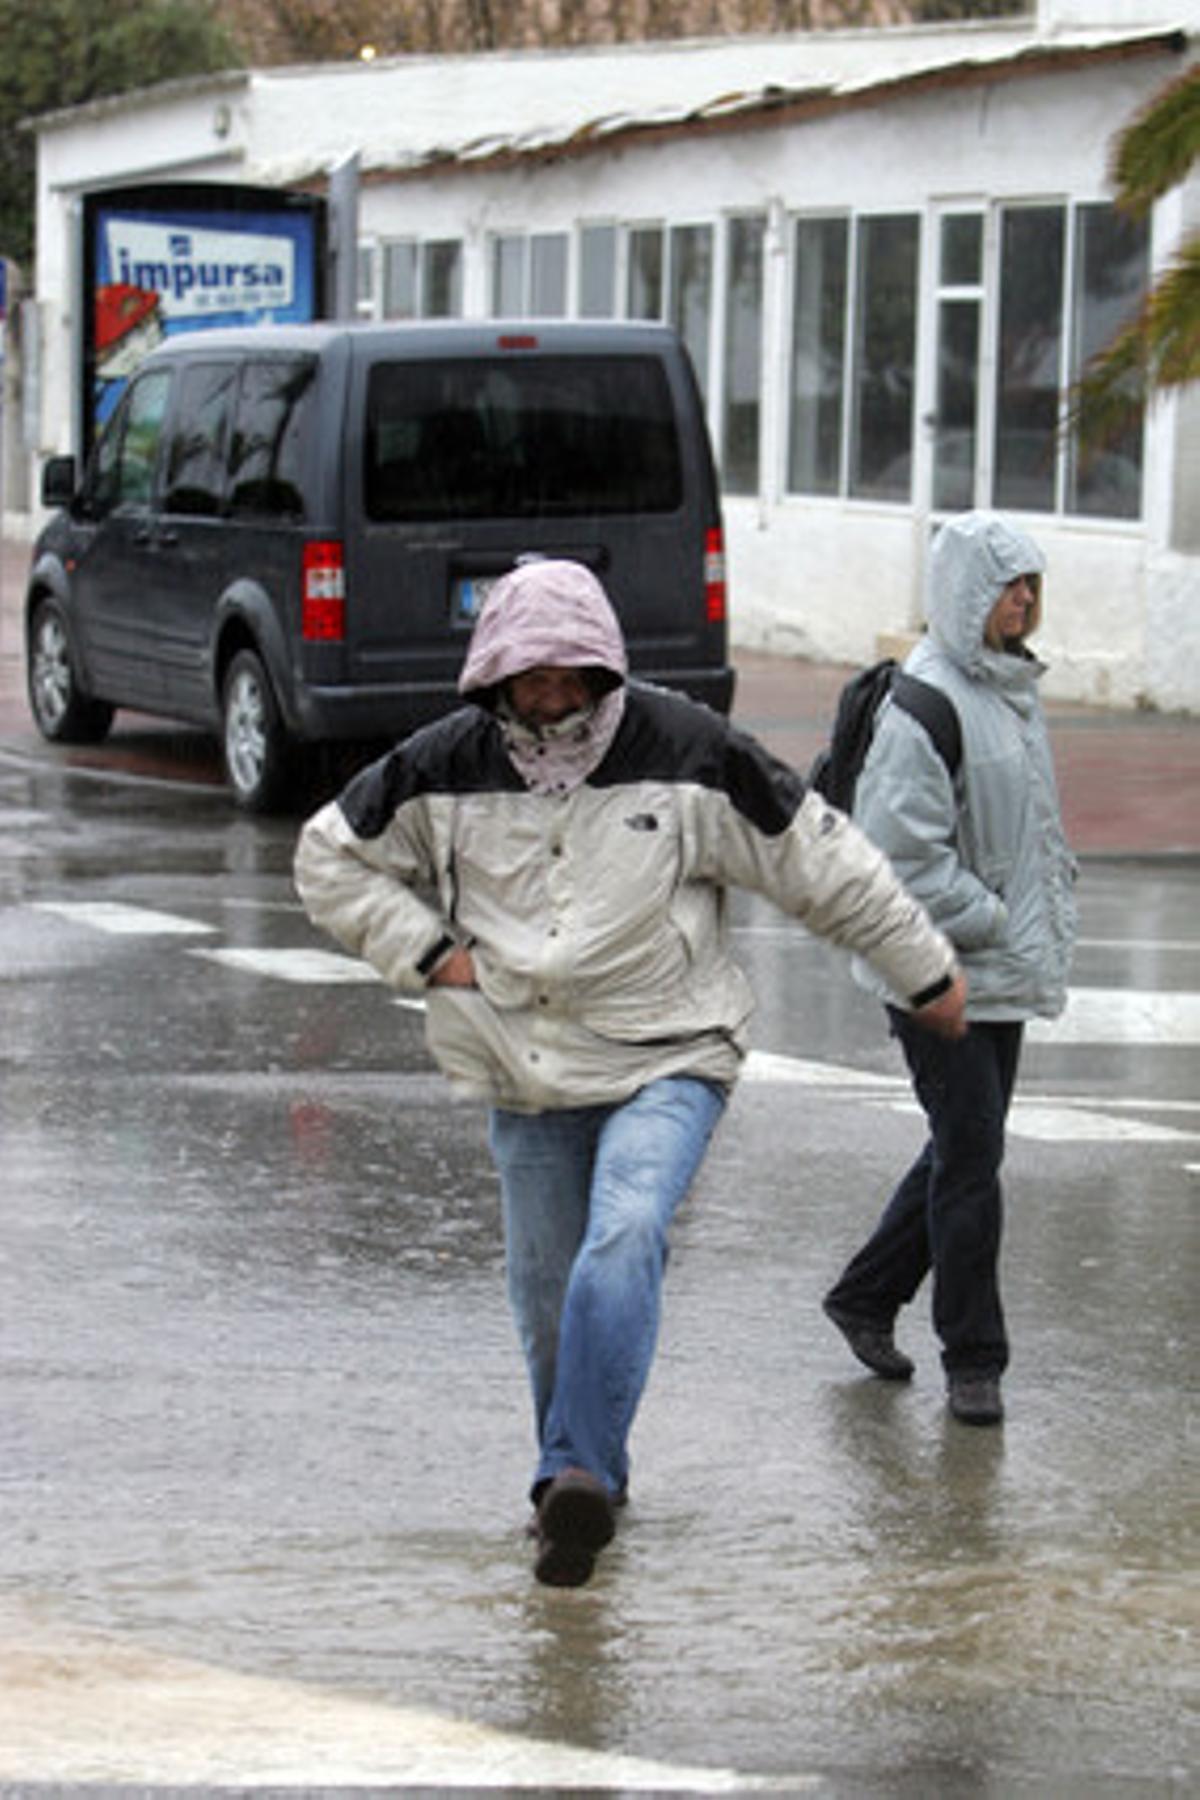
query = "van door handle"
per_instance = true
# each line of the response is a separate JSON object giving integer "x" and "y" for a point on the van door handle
{"x": 167, "y": 535}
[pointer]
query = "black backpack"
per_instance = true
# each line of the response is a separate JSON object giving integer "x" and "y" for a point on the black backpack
{"x": 835, "y": 769}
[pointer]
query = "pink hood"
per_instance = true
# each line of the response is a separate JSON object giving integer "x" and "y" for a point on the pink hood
{"x": 552, "y": 615}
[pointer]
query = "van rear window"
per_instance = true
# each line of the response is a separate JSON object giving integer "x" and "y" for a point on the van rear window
{"x": 520, "y": 437}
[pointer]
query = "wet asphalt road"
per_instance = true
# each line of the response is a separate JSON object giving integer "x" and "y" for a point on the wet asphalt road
{"x": 264, "y": 1438}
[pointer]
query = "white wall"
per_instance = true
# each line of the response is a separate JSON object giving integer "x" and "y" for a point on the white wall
{"x": 1063, "y": 15}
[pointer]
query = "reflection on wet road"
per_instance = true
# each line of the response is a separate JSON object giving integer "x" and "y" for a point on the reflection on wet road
{"x": 264, "y": 1440}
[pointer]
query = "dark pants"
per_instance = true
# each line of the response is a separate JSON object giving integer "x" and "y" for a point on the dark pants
{"x": 946, "y": 1213}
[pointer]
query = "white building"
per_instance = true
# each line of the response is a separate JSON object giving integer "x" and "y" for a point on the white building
{"x": 889, "y": 251}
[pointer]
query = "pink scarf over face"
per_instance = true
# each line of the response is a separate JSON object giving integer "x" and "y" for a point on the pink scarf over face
{"x": 558, "y": 758}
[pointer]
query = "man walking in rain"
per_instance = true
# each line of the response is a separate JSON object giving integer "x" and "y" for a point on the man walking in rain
{"x": 984, "y": 850}
{"x": 549, "y": 864}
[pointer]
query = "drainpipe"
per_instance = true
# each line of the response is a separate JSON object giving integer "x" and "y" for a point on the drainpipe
{"x": 343, "y": 238}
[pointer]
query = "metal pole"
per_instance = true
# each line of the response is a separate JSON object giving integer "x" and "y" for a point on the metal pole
{"x": 343, "y": 237}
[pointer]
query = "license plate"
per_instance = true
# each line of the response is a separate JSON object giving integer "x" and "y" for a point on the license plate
{"x": 468, "y": 596}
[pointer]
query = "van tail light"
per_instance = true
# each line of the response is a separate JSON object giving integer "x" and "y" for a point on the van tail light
{"x": 323, "y": 592}
{"x": 714, "y": 576}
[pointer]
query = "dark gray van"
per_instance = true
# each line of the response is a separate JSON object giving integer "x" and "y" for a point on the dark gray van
{"x": 285, "y": 532}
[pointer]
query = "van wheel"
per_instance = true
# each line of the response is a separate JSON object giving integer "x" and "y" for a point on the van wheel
{"x": 254, "y": 743}
{"x": 62, "y": 711}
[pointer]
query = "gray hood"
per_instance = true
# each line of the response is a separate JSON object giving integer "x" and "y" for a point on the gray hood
{"x": 974, "y": 557}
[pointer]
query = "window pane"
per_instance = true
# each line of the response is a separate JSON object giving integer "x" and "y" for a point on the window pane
{"x": 365, "y": 277}
{"x": 143, "y": 435}
{"x": 441, "y": 280}
{"x": 400, "y": 281}
{"x": 267, "y": 447}
{"x": 743, "y": 356}
{"x": 196, "y": 451}
{"x": 508, "y": 277}
{"x": 957, "y": 402}
{"x": 1031, "y": 276}
{"x": 886, "y": 322}
{"x": 690, "y": 309}
{"x": 597, "y": 271}
{"x": 961, "y": 260}
{"x": 520, "y": 438}
{"x": 548, "y": 275}
{"x": 1112, "y": 270}
{"x": 818, "y": 356}
{"x": 105, "y": 462}
{"x": 645, "y": 295}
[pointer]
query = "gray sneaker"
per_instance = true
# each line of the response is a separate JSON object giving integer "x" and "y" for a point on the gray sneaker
{"x": 975, "y": 1399}
{"x": 872, "y": 1342}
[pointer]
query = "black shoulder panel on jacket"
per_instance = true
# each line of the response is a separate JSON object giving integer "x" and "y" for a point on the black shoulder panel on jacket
{"x": 460, "y": 754}
{"x": 666, "y": 737}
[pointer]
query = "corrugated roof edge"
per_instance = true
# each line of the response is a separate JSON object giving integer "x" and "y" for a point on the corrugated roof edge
{"x": 763, "y": 108}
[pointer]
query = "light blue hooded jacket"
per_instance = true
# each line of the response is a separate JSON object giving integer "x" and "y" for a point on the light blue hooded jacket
{"x": 984, "y": 852}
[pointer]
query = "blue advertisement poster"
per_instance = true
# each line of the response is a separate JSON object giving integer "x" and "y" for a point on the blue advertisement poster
{"x": 164, "y": 260}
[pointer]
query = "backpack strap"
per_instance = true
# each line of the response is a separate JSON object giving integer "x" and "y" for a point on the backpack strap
{"x": 935, "y": 711}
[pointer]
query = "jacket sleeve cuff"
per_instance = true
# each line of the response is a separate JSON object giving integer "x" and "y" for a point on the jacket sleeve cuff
{"x": 434, "y": 955}
{"x": 933, "y": 992}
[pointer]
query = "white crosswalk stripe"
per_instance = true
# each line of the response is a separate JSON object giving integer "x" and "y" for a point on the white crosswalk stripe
{"x": 77, "y": 1706}
{"x": 1042, "y": 1119}
{"x": 1049, "y": 1124}
{"x": 304, "y": 966}
{"x": 1122, "y": 1016}
{"x": 124, "y": 921}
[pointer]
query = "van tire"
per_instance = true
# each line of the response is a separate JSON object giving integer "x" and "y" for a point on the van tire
{"x": 255, "y": 747}
{"x": 63, "y": 712}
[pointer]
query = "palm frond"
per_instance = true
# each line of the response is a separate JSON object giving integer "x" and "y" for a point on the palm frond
{"x": 1157, "y": 351}
{"x": 1155, "y": 151}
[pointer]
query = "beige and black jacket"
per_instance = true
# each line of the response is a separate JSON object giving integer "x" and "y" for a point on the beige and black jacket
{"x": 597, "y": 919}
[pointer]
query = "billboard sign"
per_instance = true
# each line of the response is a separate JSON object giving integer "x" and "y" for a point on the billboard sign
{"x": 169, "y": 258}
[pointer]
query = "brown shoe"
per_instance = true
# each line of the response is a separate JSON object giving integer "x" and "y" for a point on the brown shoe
{"x": 574, "y": 1522}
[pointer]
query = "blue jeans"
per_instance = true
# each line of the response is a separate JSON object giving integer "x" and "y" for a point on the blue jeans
{"x": 588, "y": 1195}
{"x": 946, "y": 1214}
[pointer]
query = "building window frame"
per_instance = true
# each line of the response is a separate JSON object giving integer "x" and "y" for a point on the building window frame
{"x": 1111, "y": 487}
{"x": 742, "y": 283}
{"x": 529, "y": 274}
{"x": 993, "y": 361}
{"x": 431, "y": 285}
{"x": 856, "y": 339}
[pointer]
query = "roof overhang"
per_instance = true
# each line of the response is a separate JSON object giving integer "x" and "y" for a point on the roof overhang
{"x": 772, "y": 106}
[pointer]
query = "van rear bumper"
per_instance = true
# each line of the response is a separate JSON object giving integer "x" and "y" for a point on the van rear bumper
{"x": 344, "y": 714}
